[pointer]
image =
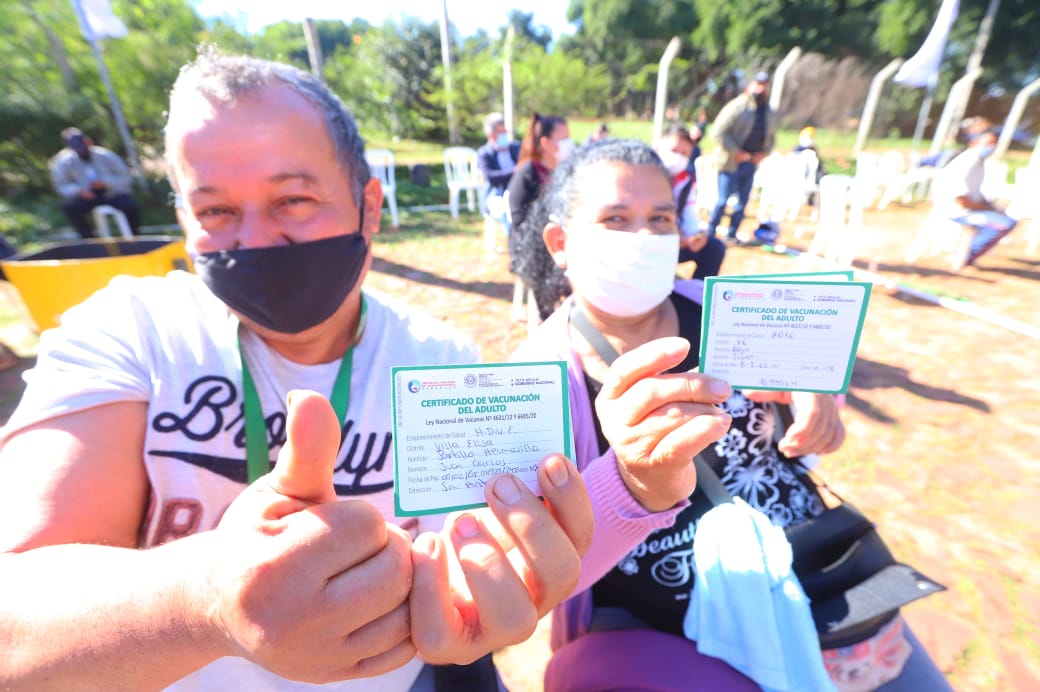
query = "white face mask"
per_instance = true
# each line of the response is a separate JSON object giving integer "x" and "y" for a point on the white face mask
{"x": 619, "y": 272}
{"x": 675, "y": 162}
{"x": 564, "y": 148}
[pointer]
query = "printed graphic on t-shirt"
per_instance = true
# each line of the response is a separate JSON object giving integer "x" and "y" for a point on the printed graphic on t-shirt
{"x": 212, "y": 407}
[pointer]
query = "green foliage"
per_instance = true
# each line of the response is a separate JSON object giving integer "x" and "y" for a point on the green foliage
{"x": 391, "y": 76}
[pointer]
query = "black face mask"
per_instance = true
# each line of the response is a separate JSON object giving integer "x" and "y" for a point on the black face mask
{"x": 286, "y": 288}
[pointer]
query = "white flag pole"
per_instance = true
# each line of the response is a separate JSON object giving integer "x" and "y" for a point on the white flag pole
{"x": 661, "y": 99}
{"x": 507, "y": 80}
{"x": 869, "y": 108}
{"x": 974, "y": 67}
{"x": 117, "y": 111}
{"x": 453, "y": 130}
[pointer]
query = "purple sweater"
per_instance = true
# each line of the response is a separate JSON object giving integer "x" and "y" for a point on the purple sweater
{"x": 621, "y": 522}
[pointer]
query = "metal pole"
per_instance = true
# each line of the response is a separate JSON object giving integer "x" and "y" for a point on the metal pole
{"x": 117, "y": 111}
{"x": 777, "y": 88}
{"x": 873, "y": 95}
{"x": 922, "y": 115}
{"x": 974, "y": 65}
{"x": 1014, "y": 115}
{"x": 661, "y": 99}
{"x": 953, "y": 101}
{"x": 453, "y": 130}
{"x": 310, "y": 34}
{"x": 507, "y": 81}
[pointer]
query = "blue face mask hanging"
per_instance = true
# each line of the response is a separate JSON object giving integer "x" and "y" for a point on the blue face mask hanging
{"x": 286, "y": 288}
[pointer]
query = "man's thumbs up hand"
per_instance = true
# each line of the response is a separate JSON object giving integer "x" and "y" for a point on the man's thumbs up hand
{"x": 311, "y": 588}
{"x": 308, "y": 458}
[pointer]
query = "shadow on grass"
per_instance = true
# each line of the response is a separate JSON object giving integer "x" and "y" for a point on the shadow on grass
{"x": 491, "y": 289}
{"x": 869, "y": 374}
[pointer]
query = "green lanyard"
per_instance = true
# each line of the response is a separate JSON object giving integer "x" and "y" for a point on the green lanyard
{"x": 258, "y": 462}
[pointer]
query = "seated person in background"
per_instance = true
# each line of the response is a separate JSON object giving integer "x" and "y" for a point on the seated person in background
{"x": 497, "y": 160}
{"x": 87, "y": 176}
{"x": 139, "y": 459}
{"x": 676, "y": 149}
{"x": 959, "y": 192}
{"x": 807, "y": 142}
{"x": 600, "y": 133}
{"x": 610, "y": 231}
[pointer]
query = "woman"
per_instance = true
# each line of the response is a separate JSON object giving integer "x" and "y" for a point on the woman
{"x": 678, "y": 151}
{"x": 546, "y": 143}
{"x": 610, "y": 226}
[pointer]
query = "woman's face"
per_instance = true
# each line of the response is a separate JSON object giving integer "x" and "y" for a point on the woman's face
{"x": 551, "y": 145}
{"x": 624, "y": 197}
{"x": 620, "y": 242}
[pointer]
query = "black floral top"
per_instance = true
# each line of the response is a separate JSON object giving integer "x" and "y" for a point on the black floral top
{"x": 654, "y": 580}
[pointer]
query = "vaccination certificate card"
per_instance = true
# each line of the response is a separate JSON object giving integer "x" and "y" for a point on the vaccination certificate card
{"x": 798, "y": 332}
{"x": 456, "y": 427}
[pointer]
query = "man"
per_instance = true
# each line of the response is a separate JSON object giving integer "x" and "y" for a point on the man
{"x": 676, "y": 150}
{"x": 497, "y": 157}
{"x": 496, "y": 160}
{"x": 959, "y": 192}
{"x": 744, "y": 133}
{"x": 135, "y": 556}
{"x": 87, "y": 176}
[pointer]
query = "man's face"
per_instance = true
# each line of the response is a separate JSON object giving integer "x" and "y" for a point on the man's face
{"x": 679, "y": 145}
{"x": 759, "y": 91}
{"x": 261, "y": 173}
{"x": 987, "y": 139}
{"x": 497, "y": 130}
{"x": 78, "y": 144}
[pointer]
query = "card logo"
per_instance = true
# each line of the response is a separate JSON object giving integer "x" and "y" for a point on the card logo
{"x": 414, "y": 386}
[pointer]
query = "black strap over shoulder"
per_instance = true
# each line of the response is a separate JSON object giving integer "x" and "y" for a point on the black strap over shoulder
{"x": 594, "y": 336}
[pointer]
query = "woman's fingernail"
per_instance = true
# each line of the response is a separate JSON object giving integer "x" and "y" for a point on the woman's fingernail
{"x": 289, "y": 398}
{"x": 466, "y": 526}
{"x": 719, "y": 387}
{"x": 556, "y": 469}
{"x": 506, "y": 489}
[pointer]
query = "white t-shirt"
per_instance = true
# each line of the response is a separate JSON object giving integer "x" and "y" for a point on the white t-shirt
{"x": 961, "y": 177}
{"x": 169, "y": 342}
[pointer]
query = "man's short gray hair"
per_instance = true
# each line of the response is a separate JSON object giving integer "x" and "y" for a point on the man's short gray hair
{"x": 492, "y": 119}
{"x": 226, "y": 80}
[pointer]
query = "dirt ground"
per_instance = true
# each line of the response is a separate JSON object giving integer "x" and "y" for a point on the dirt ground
{"x": 943, "y": 416}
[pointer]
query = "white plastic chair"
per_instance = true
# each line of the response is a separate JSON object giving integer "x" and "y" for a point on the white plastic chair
{"x": 840, "y": 229}
{"x": 521, "y": 292}
{"x": 381, "y": 164}
{"x": 102, "y": 213}
{"x": 463, "y": 174}
{"x": 940, "y": 233}
{"x": 1025, "y": 204}
{"x": 707, "y": 183}
{"x": 995, "y": 181}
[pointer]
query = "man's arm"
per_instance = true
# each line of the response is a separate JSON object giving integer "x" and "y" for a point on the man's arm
{"x": 493, "y": 175}
{"x": 117, "y": 173}
{"x": 64, "y": 182}
{"x": 80, "y": 607}
{"x": 969, "y": 202}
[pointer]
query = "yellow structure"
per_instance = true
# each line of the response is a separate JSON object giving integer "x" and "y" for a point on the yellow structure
{"x": 54, "y": 279}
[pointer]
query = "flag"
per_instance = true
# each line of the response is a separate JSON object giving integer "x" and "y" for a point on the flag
{"x": 922, "y": 69}
{"x": 98, "y": 22}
